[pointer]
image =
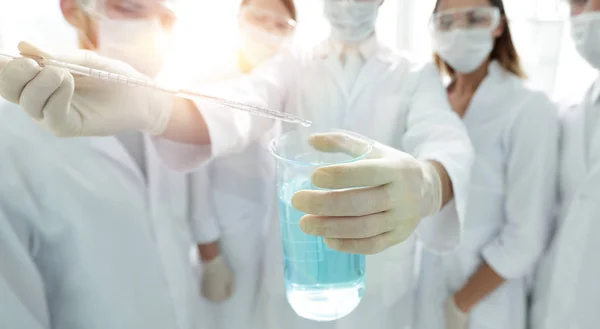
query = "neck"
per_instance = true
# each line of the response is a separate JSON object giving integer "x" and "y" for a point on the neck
{"x": 245, "y": 65}
{"x": 468, "y": 83}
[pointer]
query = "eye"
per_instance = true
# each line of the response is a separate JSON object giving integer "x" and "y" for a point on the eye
{"x": 445, "y": 22}
{"x": 478, "y": 19}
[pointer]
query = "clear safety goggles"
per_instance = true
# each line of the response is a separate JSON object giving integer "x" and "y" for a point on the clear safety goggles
{"x": 130, "y": 9}
{"x": 465, "y": 18}
{"x": 267, "y": 21}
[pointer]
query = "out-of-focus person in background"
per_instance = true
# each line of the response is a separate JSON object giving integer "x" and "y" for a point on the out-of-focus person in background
{"x": 101, "y": 222}
{"x": 514, "y": 131}
{"x": 232, "y": 196}
{"x": 566, "y": 292}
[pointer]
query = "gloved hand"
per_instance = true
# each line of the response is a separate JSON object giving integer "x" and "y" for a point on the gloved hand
{"x": 83, "y": 106}
{"x": 383, "y": 197}
{"x": 217, "y": 280}
{"x": 454, "y": 317}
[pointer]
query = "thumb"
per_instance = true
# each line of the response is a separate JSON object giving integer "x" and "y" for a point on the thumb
{"x": 79, "y": 57}
{"x": 341, "y": 141}
{"x": 29, "y": 50}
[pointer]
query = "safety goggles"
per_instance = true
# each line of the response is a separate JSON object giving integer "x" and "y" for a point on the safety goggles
{"x": 267, "y": 21}
{"x": 465, "y": 18}
{"x": 130, "y": 9}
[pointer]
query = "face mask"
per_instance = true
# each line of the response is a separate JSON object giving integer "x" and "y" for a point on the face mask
{"x": 464, "y": 50}
{"x": 140, "y": 43}
{"x": 351, "y": 21}
{"x": 585, "y": 31}
{"x": 258, "y": 45}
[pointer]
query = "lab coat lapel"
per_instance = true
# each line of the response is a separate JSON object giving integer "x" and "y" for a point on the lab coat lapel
{"x": 368, "y": 73}
{"x": 483, "y": 106}
{"x": 593, "y": 145}
{"x": 153, "y": 167}
{"x": 112, "y": 148}
{"x": 334, "y": 66}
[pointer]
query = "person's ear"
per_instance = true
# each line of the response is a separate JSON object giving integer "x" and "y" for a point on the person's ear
{"x": 500, "y": 29}
{"x": 79, "y": 20}
{"x": 72, "y": 14}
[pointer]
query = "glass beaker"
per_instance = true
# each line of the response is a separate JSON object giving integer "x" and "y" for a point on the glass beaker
{"x": 321, "y": 284}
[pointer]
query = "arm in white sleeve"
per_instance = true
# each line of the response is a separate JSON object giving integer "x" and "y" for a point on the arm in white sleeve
{"x": 435, "y": 133}
{"x": 531, "y": 173}
{"x": 22, "y": 296}
{"x": 203, "y": 223}
{"x": 232, "y": 130}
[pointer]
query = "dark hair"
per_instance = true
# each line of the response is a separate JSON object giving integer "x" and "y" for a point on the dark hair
{"x": 288, "y": 4}
{"x": 504, "y": 50}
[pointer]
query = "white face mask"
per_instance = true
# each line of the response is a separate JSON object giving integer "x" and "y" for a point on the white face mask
{"x": 351, "y": 21}
{"x": 464, "y": 50}
{"x": 258, "y": 45}
{"x": 139, "y": 43}
{"x": 585, "y": 31}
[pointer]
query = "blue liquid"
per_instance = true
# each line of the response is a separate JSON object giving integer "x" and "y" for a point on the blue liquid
{"x": 321, "y": 284}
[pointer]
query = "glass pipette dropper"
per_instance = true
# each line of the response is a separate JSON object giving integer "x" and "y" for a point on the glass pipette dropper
{"x": 192, "y": 95}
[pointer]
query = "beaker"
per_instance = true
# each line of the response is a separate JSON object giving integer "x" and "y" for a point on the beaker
{"x": 321, "y": 284}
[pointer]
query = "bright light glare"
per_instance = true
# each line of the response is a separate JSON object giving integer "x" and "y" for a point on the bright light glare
{"x": 205, "y": 34}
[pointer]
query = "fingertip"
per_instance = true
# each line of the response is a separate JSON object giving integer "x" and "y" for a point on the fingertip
{"x": 333, "y": 243}
{"x": 28, "y": 49}
{"x": 300, "y": 200}
{"x": 305, "y": 225}
{"x": 322, "y": 178}
{"x": 323, "y": 142}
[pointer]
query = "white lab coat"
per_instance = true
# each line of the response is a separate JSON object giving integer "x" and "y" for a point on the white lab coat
{"x": 111, "y": 250}
{"x": 391, "y": 102}
{"x": 567, "y": 294}
{"x": 514, "y": 131}
{"x": 22, "y": 299}
{"x": 230, "y": 205}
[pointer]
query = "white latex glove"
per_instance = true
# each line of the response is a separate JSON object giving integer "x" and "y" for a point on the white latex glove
{"x": 217, "y": 280}
{"x": 454, "y": 317}
{"x": 83, "y": 106}
{"x": 398, "y": 191}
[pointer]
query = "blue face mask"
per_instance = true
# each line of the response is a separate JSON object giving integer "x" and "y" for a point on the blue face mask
{"x": 351, "y": 20}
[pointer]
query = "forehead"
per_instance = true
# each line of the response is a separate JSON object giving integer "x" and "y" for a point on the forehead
{"x": 452, "y": 4}
{"x": 274, "y": 6}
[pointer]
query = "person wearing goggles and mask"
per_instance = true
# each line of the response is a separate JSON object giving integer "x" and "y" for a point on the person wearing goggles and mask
{"x": 514, "y": 130}
{"x": 566, "y": 293}
{"x": 232, "y": 217}
{"x": 420, "y": 163}
{"x": 101, "y": 220}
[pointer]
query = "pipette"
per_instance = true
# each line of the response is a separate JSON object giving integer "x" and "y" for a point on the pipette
{"x": 192, "y": 95}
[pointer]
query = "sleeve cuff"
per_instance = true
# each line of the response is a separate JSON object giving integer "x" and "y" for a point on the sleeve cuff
{"x": 202, "y": 233}
{"x": 443, "y": 232}
{"x": 499, "y": 261}
{"x": 227, "y": 128}
{"x": 503, "y": 263}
